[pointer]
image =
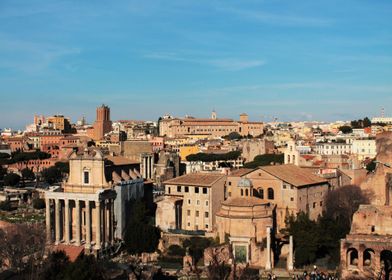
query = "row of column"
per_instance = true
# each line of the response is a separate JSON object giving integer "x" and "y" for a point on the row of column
{"x": 147, "y": 165}
{"x": 68, "y": 223}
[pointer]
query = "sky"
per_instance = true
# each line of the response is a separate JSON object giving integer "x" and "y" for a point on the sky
{"x": 294, "y": 60}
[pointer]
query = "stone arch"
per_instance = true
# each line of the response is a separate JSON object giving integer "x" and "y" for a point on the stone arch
{"x": 352, "y": 257}
{"x": 386, "y": 263}
{"x": 368, "y": 257}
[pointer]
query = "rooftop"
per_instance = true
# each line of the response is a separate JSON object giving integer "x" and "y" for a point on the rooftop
{"x": 294, "y": 175}
{"x": 195, "y": 179}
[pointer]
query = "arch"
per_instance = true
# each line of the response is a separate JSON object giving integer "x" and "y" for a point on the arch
{"x": 368, "y": 256}
{"x": 261, "y": 193}
{"x": 386, "y": 263}
{"x": 352, "y": 257}
{"x": 270, "y": 193}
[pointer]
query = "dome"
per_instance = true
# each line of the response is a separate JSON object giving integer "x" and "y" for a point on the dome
{"x": 245, "y": 183}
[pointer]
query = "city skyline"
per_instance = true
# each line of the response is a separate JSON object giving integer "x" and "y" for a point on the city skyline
{"x": 293, "y": 61}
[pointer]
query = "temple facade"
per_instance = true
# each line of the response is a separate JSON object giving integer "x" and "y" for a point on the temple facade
{"x": 89, "y": 209}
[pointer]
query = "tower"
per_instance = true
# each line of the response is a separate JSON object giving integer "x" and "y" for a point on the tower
{"x": 103, "y": 124}
{"x": 213, "y": 115}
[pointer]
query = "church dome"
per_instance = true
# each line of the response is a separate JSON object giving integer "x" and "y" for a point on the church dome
{"x": 245, "y": 183}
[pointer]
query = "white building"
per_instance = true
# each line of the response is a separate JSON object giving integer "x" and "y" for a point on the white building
{"x": 364, "y": 148}
{"x": 333, "y": 148}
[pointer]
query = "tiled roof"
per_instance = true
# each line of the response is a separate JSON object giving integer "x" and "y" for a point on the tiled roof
{"x": 73, "y": 252}
{"x": 118, "y": 160}
{"x": 293, "y": 175}
{"x": 195, "y": 179}
{"x": 240, "y": 172}
{"x": 247, "y": 201}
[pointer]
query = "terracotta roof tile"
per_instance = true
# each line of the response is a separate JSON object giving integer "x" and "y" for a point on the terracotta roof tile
{"x": 293, "y": 175}
{"x": 195, "y": 179}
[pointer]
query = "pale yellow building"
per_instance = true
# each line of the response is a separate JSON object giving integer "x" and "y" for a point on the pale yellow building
{"x": 216, "y": 127}
{"x": 191, "y": 202}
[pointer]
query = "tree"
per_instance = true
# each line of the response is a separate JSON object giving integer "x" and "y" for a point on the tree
{"x": 266, "y": 159}
{"x": 22, "y": 246}
{"x": 140, "y": 236}
{"x": 27, "y": 174}
{"x": 11, "y": 179}
{"x": 345, "y": 129}
{"x": 85, "y": 267}
{"x": 371, "y": 166}
{"x": 306, "y": 238}
{"x": 38, "y": 203}
{"x": 58, "y": 266}
{"x": 233, "y": 136}
{"x": 176, "y": 250}
{"x": 5, "y": 205}
{"x": 54, "y": 265}
{"x": 341, "y": 204}
{"x": 51, "y": 175}
{"x": 196, "y": 246}
{"x": 204, "y": 157}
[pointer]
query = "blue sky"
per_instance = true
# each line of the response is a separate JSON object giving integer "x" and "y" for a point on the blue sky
{"x": 295, "y": 60}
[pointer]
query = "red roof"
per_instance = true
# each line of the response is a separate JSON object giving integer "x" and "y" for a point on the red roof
{"x": 73, "y": 252}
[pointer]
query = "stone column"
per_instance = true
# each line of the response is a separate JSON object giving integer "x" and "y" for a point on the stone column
{"x": 268, "y": 265}
{"x": 48, "y": 218}
{"x": 66, "y": 216}
{"x": 88, "y": 225}
{"x": 97, "y": 225}
{"x": 104, "y": 223}
{"x": 57, "y": 221}
{"x": 290, "y": 259}
{"x": 77, "y": 222}
{"x": 110, "y": 222}
{"x": 112, "y": 219}
{"x": 360, "y": 259}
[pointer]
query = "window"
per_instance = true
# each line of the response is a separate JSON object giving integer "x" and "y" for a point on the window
{"x": 178, "y": 188}
{"x": 242, "y": 192}
{"x": 186, "y": 189}
{"x": 246, "y": 192}
{"x": 314, "y": 204}
{"x": 321, "y": 203}
{"x": 197, "y": 213}
{"x": 229, "y": 183}
{"x": 261, "y": 193}
{"x": 284, "y": 186}
{"x": 206, "y": 214}
{"x": 188, "y": 212}
{"x": 206, "y": 226}
{"x": 196, "y": 190}
{"x": 292, "y": 198}
{"x": 204, "y": 190}
{"x": 270, "y": 193}
{"x": 189, "y": 201}
{"x": 198, "y": 202}
{"x": 206, "y": 202}
{"x": 86, "y": 177}
{"x": 168, "y": 190}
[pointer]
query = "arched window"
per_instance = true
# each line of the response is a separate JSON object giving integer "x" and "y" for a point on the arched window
{"x": 270, "y": 193}
{"x": 261, "y": 193}
{"x": 246, "y": 192}
{"x": 367, "y": 257}
{"x": 352, "y": 257}
{"x": 288, "y": 158}
{"x": 242, "y": 192}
